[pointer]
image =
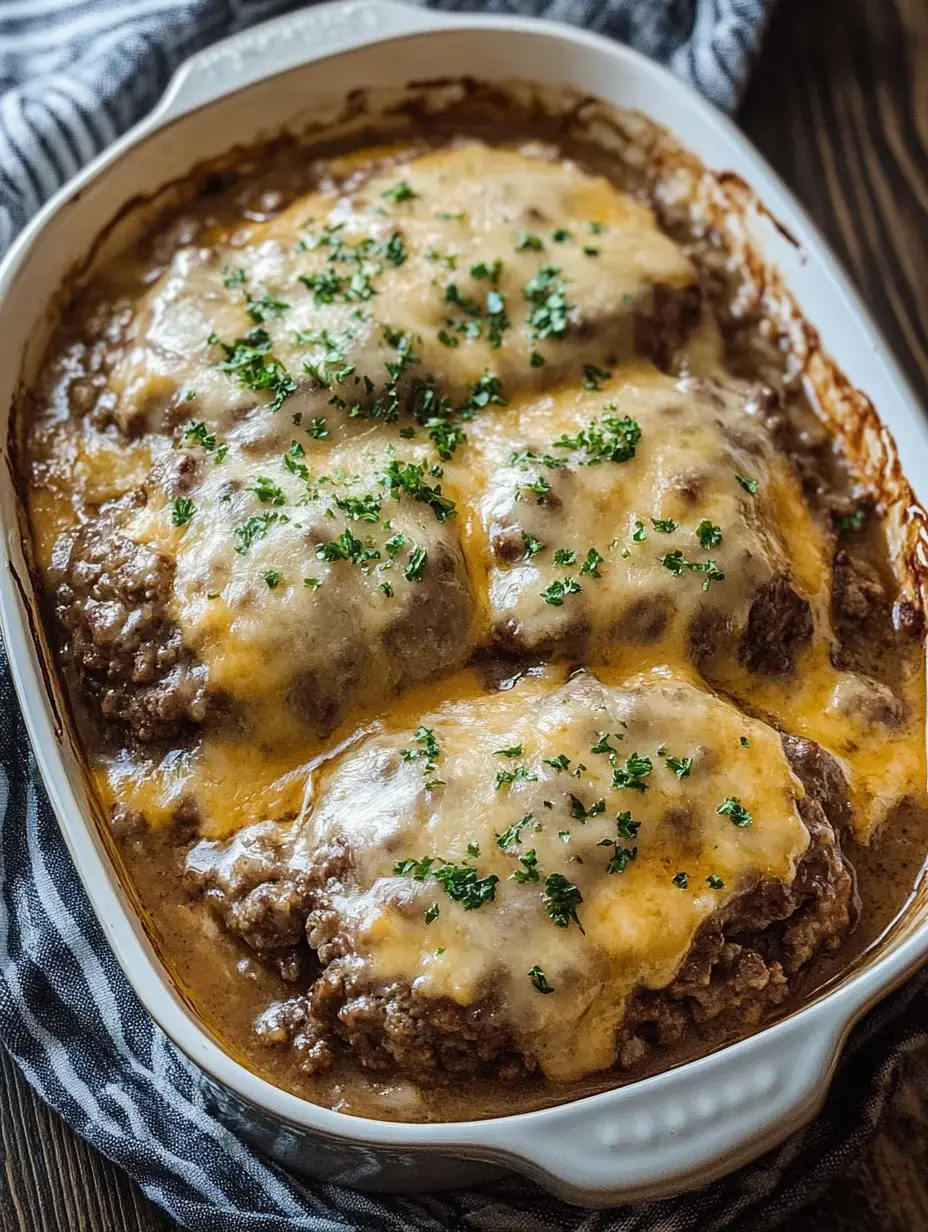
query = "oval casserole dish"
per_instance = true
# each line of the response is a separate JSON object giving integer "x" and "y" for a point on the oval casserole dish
{"x": 682, "y": 1127}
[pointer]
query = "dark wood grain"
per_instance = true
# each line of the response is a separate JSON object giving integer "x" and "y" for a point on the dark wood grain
{"x": 839, "y": 106}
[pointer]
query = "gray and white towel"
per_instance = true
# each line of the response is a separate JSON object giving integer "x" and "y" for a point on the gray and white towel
{"x": 73, "y": 75}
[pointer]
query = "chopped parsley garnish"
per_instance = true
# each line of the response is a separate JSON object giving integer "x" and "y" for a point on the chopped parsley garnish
{"x": 664, "y": 526}
{"x": 485, "y": 392}
{"x": 387, "y": 589}
{"x": 232, "y": 276}
{"x": 619, "y": 862}
{"x": 559, "y": 763}
{"x": 496, "y": 319}
{"x": 732, "y": 808}
{"x": 364, "y": 508}
{"x": 473, "y": 850}
{"x": 255, "y": 528}
{"x": 852, "y": 521}
{"x": 514, "y": 750}
{"x": 272, "y": 577}
{"x": 519, "y": 774}
{"x": 417, "y": 561}
{"x": 317, "y": 429}
{"x": 626, "y": 826}
{"x": 428, "y": 752}
{"x": 596, "y": 228}
{"x": 467, "y": 305}
{"x": 198, "y": 434}
{"x": 609, "y": 439}
{"x": 462, "y": 884}
{"x": 580, "y": 813}
{"x": 266, "y": 308}
{"x": 633, "y": 773}
{"x": 490, "y": 273}
{"x": 447, "y": 339}
{"x": 346, "y": 547}
{"x": 250, "y": 361}
{"x": 749, "y": 485}
{"x": 565, "y": 557}
{"x": 513, "y": 835}
{"x": 267, "y": 491}
{"x": 590, "y": 251}
{"x": 681, "y": 879}
{"x": 408, "y": 477}
{"x": 744, "y": 742}
{"x": 556, "y": 592}
{"x": 529, "y": 243}
{"x": 561, "y": 899}
{"x": 529, "y": 869}
{"x": 591, "y": 562}
{"x": 532, "y": 546}
{"x": 182, "y": 510}
{"x": 560, "y": 236}
{"x": 602, "y": 744}
{"x": 400, "y": 191}
{"x": 640, "y": 533}
{"x": 715, "y": 882}
{"x": 681, "y": 766}
{"x": 536, "y": 359}
{"x": 432, "y": 913}
{"x": 678, "y": 564}
{"x": 548, "y": 317}
{"x": 709, "y": 536}
{"x": 539, "y": 980}
{"x": 291, "y": 461}
{"x": 593, "y": 375}
{"x": 311, "y": 583}
{"x": 459, "y": 881}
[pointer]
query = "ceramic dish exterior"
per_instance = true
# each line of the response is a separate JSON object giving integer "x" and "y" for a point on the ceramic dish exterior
{"x": 678, "y": 1129}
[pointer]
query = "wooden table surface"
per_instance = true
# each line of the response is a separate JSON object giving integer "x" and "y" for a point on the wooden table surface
{"x": 839, "y": 106}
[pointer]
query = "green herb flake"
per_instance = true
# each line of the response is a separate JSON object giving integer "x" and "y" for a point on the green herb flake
{"x": 401, "y": 191}
{"x": 532, "y": 546}
{"x": 593, "y": 375}
{"x": 591, "y": 562}
{"x": 514, "y": 750}
{"x": 558, "y": 763}
{"x": 681, "y": 879}
{"x": 529, "y": 870}
{"x": 539, "y": 980}
{"x": 182, "y": 510}
{"x": 681, "y": 766}
{"x": 677, "y": 563}
{"x": 664, "y": 526}
{"x": 513, "y": 835}
{"x": 715, "y": 882}
{"x": 432, "y": 913}
{"x": 418, "y": 558}
{"x": 749, "y": 485}
{"x": 561, "y": 899}
{"x": 311, "y": 583}
{"x": 744, "y": 742}
{"x": 732, "y": 808}
{"x": 565, "y": 557}
{"x": 519, "y": 774}
{"x": 529, "y": 243}
{"x": 536, "y": 359}
{"x": 560, "y": 236}
{"x": 272, "y": 577}
{"x": 633, "y": 773}
{"x": 709, "y": 536}
{"x": 559, "y": 589}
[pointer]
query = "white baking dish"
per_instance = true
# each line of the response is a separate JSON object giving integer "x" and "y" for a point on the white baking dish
{"x": 668, "y": 1132}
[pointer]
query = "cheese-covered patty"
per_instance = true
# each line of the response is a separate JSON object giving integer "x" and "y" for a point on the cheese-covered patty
{"x": 352, "y": 303}
{"x": 541, "y": 854}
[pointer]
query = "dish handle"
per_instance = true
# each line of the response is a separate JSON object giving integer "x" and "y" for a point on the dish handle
{"x": 286, "y": 42}
{"x": 701, "y": 1120}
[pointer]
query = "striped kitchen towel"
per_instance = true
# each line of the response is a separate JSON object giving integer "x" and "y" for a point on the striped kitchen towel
{"x": 73, "y": 75}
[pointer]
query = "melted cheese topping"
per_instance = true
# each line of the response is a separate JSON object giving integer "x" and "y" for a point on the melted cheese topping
{"x": 675, "y": 859}
{"x": 385, "y": 294}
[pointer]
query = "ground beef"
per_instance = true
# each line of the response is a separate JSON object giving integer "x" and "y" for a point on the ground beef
{"x": 779, "y": 626}
{"x": 129, "y": 658}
